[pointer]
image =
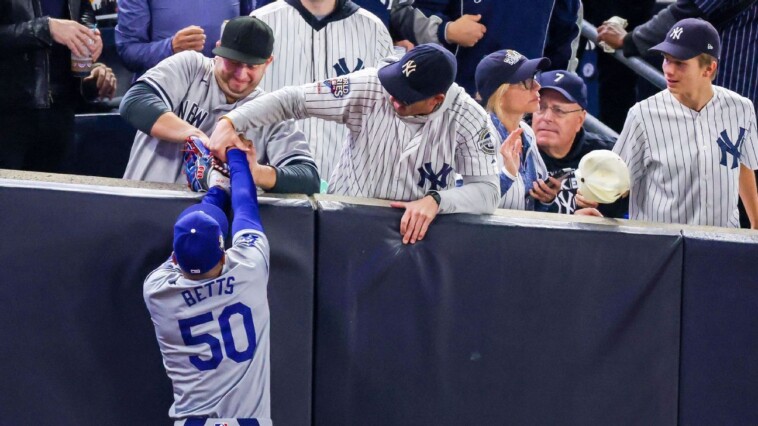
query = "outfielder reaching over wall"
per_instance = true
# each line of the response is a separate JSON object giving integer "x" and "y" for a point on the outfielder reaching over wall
{"x": 210, "y": 308}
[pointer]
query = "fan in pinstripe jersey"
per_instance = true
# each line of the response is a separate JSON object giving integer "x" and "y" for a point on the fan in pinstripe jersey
{"x": 410, "y": 130}
{"x": 691, "y": 148}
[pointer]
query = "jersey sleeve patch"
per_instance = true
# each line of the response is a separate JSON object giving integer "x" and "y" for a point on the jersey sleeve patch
{"x": 484, "y": 142}
{"x": 338, "y": 87}
{"x": 247, "y": 240}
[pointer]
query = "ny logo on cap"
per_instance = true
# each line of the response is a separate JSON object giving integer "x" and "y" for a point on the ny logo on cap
{"x": 676, "y": 33}
{"x": 511, "y": 57}
{"x": 710, "y": 46}
{"x": 409, "y": 67}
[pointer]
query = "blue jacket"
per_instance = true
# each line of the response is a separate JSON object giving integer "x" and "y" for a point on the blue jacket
{"x": 518, "y": 25}
{"x": 532, "y": 168}
{"x": 145, "y": 28}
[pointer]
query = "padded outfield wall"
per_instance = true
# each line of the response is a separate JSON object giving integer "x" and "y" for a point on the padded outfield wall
{"x": 514, "y": 318}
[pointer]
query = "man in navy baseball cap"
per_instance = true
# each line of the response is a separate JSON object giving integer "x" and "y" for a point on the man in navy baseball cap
{"x": 689, "y": 38}
{"x": 505, "y": 66}
{"x": 570, "y": 85}
{"x": 562, "y": 141}
{"x": 417, "y": 83}
{"x": 690, "y": 61}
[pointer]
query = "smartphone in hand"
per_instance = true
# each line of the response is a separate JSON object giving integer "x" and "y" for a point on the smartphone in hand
{"x": 561, "y": 175}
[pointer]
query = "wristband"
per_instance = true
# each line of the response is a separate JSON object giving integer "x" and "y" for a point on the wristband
{"x": 436, "y": 196}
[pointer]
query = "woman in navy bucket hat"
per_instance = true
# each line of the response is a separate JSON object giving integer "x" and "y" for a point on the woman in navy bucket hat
{"x": 506, "y": 84}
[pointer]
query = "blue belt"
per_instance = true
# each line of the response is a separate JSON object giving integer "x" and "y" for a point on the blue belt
{"x": 200, "y": 421}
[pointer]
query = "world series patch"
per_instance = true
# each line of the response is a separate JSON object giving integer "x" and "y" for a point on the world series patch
{"x": 339, "y": 86}
{"x": 485, "y": 143}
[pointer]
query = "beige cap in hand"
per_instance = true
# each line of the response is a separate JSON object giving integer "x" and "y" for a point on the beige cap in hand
{"x": 602, "y": 176}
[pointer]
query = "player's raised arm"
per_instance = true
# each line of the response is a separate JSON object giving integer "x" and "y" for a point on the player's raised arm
{"x": 244, "y": 194}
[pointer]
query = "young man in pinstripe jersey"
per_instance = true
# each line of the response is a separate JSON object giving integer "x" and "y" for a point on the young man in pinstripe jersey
{"x": 410, "y": 130}
{"x": 691, "y": 148}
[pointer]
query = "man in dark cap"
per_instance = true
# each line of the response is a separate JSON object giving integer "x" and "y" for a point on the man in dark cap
{"x": 691, "y": 148}
{"x": 185, "y": 94}
{"x": 563, "y": 142}
{"x": 411, "y": 129}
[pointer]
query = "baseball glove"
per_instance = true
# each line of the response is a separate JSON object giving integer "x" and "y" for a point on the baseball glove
{"x": 202, "y": 169}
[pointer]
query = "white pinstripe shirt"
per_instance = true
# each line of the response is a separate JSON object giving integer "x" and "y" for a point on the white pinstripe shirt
{"x": 685, "y": 164}
{"x": 386, "y": 156}
{"x": 303, "y": 55}
{"x": 738, "y": 66}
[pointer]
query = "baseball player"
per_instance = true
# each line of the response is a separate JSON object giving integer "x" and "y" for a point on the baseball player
{"x": 210, "y": 309}
{"x": 319, "y": 40}
{"x": 690, "y": 147}
{"x": 186, "y": 94}
{"x": 411, "y": 129}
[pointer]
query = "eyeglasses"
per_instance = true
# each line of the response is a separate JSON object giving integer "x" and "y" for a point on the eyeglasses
{"x": 556, "y": 111}
{"x": 529, "y": 84}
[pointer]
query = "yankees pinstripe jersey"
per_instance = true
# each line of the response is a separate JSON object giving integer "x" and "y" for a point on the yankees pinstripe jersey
{"x": 738, "y": 68}
{"x": 308, "y": 50}
{"x": 214, "y": 334}
{"x": 387, "y": 156}
{"x": 685, "y": 164}
{"x": 188, "y": 86}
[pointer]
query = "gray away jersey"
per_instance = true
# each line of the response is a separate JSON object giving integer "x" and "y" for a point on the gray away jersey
{"x": 214, "y": 334}
{"x": 684, "y": 164}
{"x": 387, "y": 156}
{"x": 303, "y": 55}
{"x": 186, "y": 83}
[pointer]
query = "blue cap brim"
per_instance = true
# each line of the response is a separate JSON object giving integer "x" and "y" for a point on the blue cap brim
{"x": 393, "y": 82}
{"x": 565, "y": 94}
{"x": 528, "y": 69}
{"x": 679, "y": 52}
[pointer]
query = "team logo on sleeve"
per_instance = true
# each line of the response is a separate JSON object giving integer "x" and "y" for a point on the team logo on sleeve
{"x": 247, "y": 240}
{"x": 484, "y": 142}
{"x": 339, "y": 86}
{"x": 727, "y": 147}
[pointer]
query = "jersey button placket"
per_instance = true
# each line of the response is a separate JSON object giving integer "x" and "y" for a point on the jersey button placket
{"x": 702, "y": 149}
